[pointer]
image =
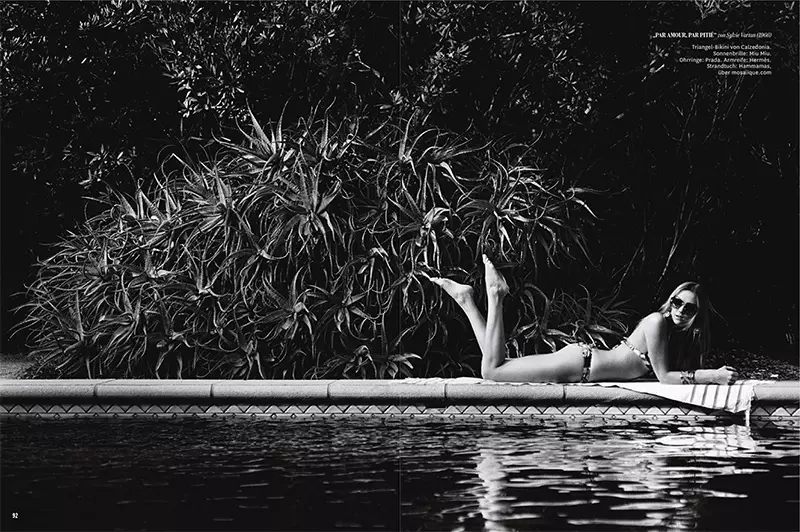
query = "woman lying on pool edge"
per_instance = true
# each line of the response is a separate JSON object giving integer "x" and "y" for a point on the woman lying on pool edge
{"x": 682, "y": 318}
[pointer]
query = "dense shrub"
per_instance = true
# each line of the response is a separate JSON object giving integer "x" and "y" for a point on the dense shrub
{"x": 304, "y": 251}
{"x": 99, "y": 94}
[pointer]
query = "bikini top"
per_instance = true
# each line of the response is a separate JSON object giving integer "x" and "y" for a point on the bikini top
{"x": 643, "y": 356}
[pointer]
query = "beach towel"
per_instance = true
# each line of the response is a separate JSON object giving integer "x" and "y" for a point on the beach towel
{"x": 735, "y": 398}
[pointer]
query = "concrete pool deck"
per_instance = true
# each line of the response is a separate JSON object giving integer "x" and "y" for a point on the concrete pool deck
{"x": 433, "y": 399}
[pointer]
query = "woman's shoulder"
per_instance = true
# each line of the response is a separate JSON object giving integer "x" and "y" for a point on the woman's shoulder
{"x": 655, "y": 321}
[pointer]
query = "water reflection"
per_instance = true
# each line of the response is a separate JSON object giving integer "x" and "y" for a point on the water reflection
{"x": 734, "y": 440}
{"x": 318, "y": 475}
{"x": 628, "y": 478}
{"x": 491, "y": 501}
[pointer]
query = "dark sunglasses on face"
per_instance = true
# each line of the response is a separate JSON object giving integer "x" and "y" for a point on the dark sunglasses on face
{"x": 679, "y": 304}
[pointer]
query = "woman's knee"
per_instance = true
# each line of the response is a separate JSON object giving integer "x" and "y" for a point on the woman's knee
{"x": 489, "y": 373}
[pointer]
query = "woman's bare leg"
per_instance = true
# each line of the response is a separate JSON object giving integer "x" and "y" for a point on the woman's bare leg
{"x": 491, "y": 340}
{"x": 462, "y": 294}
{"x": 494, "y": 348}
{"x": 564, "y": 365}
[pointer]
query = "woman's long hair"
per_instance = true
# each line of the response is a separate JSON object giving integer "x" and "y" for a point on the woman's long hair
{"x": 689, "y": 343}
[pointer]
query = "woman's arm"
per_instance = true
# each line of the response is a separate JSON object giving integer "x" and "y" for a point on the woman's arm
{"x": 656, "y": 332}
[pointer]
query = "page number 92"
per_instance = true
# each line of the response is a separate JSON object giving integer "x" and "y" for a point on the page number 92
{"x": 14, "y": 515}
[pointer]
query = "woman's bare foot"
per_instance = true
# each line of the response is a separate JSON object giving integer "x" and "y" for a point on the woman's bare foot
{"x": 462, "y": 293}
{"x": 496, "y": 285}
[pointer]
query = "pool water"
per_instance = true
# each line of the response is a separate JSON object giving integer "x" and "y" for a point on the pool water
{"x": 201, "y": 474}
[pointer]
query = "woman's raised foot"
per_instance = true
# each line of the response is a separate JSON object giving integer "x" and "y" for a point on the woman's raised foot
{"x": 462, "y": 293}
{"x": 496, "y": 285}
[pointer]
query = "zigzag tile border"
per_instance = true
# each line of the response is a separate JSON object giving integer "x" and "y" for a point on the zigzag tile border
{"x": 790, "y": 413}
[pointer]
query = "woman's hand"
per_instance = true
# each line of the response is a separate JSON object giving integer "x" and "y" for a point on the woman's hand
{"x": 726, "y": 375}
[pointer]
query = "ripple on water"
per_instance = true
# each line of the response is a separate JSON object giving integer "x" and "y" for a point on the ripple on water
{"x": 317, "y": 475}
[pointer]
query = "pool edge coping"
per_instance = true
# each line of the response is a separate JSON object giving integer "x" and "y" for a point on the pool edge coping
{"x": 441, "y": 391}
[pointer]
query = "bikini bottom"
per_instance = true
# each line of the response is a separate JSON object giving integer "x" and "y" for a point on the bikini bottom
{"x": 587, "y": 351}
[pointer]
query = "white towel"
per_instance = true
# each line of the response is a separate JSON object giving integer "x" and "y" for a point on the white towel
{"x": 473, "y": 380}
{"x": 735, "y": 398}
{"x": 439, "y": 380}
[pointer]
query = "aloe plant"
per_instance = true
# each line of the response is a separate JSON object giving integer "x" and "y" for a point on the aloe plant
{"x": 304, "y": 251}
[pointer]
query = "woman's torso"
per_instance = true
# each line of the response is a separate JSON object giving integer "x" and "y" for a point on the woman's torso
{"x": 622, "y": 362}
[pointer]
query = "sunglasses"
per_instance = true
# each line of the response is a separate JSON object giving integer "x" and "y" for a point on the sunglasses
{"x": 679, "y": 304}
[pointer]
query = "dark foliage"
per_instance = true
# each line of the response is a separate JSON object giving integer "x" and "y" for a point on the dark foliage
{"x": 697, "y": 172}
{"x": 305, "y": 252}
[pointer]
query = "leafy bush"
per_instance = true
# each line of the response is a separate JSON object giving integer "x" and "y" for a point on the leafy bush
{"x": 303, "y": 252}
{"x": 96, "y": 92}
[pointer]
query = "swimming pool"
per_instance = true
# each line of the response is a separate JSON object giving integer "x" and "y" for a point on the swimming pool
{"x": 245, "y": 474}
